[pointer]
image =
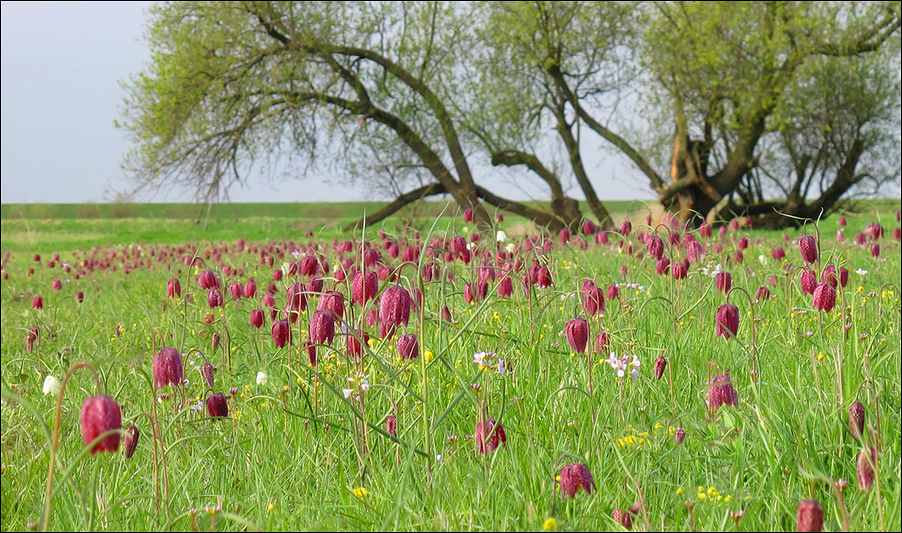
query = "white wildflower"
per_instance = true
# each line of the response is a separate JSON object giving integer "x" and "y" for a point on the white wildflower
{"x": 262, "y": 378}
{"x": 51, "y": 385}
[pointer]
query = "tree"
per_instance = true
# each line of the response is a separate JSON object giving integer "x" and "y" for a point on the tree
{"x": 231, "y": 82}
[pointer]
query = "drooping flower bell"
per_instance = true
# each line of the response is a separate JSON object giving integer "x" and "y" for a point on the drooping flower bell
{"x": 824, "y": 298}
{"x": 654, "y": 245}
{"x": 257, "y": 318}
{"x": 576, "y": 478}
{"x": 208, "y": 280}
{"x": 624, "y": 518}
{"x": 322, "y": 327}
{"x": 394, "y": 309}
{"x": 489, "y": 435}
{"x": 363, "y": 286}
{"x": 866, "y": 467}
{"x": 250, "y": 288}
{"x": 726, "y": 321}
{"x": 167, "y": 368}
{"x": 408, "y": 346}
{"x": 37, "y": 302}
{"x": 723, "y": 282}
{"x": 391, "y": 425}
{"x": 208, "y": 371}
{"x": 333, "y": 301}
{"x": 214, "y": 298}
{"x": 173, "y": 288}
{"x": 721, "y": 392}
{"x": 281, "y": 333}
{"x": 660, "y": 366}
{"x": 808, "y": 249}
{"x": 810, "y": 516}
{"x": 625, "y": 228}
{"x": 100, "y": 414}
{"x": 217, "y": 405}
{"x": 577, "y": 334}
{"x": 354, "y": 343}
{"x": 808, "y": 280}
{"x": 679, "y": 270}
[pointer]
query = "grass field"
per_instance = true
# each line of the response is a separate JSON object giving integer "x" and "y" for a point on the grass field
{"x": 311, "y": 446}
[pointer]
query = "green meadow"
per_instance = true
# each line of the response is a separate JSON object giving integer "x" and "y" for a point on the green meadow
{"x": 308, "y": 444}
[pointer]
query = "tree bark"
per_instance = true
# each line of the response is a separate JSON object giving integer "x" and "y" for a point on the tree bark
{"x": 407, "y": 198}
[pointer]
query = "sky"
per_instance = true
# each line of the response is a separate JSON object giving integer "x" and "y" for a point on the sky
{"x": 62, "y": 64}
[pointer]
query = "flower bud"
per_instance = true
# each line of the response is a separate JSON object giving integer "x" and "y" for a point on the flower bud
{"x": 660, "y": 366}
{"x": 130, "y": 441}
{"x": 363, "y": 287}
{"x": 391, "y": 425}
{"x": 207, "y": 371}
{"x": 867, "y": 464}
{"x": 856, "y": 419}
{"x": 100, "y": 414}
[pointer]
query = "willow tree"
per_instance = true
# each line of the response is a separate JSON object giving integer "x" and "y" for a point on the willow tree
{"x": 366, "y": 86}
{"x": 727, "y": 69}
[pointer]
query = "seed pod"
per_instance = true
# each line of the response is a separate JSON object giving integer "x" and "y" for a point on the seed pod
{"x": 856, "y": 419}
{"x": 808, "y": 249}
{"x": 489, "y": 435}
{"x": 167, "y": 368}
{"x": 867, "y": 463}
{"x": 217, "y": 405}
{"x": 574, "y": 478}
{"x": 810, "y": 516}
{"x": 100, "y": 414}
{"x": 577, "y": 334}
{"x": 726, "y": 321}
{"x": 660, "y": 366}
{"x": 408, "y": 346}
{"x": 130, "y": 441}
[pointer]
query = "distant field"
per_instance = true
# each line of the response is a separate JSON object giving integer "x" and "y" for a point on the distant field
{"x": 45, "y": 228}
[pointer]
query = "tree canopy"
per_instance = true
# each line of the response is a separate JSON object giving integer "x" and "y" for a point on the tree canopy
{"x": 750, "y": 108}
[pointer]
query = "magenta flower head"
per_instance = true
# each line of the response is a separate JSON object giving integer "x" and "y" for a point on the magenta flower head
{"x": 236, "y": 291}
{"x": 679, "y": 270}
{"x": 100, "y": 414}
{"x": 208, "y": 280}
{"x": 574, "y": 478}
{"x": 660, "y": 366}
{"x": 468, "y": 215}
{"x": 679, "y": 435}
{"x": 808, "y": 249}
{"x": 250, "y": 288}
{"x": 721, "y": 392}
{"x": 602, "y": 340}
{"x": 593, "y": 301}
{"x": 577, "y": 334}
{"x": 762, "y": 294}
{"x": 257, "y": 318}
{"x": 824, "y": 298}
{"x": 830, "y": 275}
{"x": 173, "y": 288}
{"x": 624, "y": 518}
{"x": 394, "y": 309}
{"x": 875, "y": 250}
{"x": 724, "y": 282}
{"x": 333, "y": 301}
{"x": 726, "y": 321}
{"x": 354, "y": 344}
{"x": 408, "y": 346}
{"x": 208, "y": 371}
{"x": 391, "y": 425}
{"x": 810, "y": 516}
{"x": 613, "y": 291}
{"x": 808, "y": 281}
{"x": 37, "y": 302}
{"x": 217, "y": 405}
{"x": 867, "y": 463}
{"x": 625, "y": 228}
{"x": 322, "y": 327}
{"x": 363, "y": 286}
{"x": 589, "y": 227}
{"x": 281, "y": 333}
{"x": 57, "y": 285}
{"x": 564, "y": 236}
{"x": 167, "y": 368}
{"x": 506, "y": 287}
{"x": 130, "y": 441}
{"x": 214, "y": 298}
{"x": 856, "y": 419}
{"x": 489, "y": 435}
{"x": 777, "y": 254}
{"x": 654, "y": 245}
{"x": 80, "y": 296}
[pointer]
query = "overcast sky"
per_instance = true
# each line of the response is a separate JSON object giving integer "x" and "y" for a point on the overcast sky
{"x": 61, "y": 67}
